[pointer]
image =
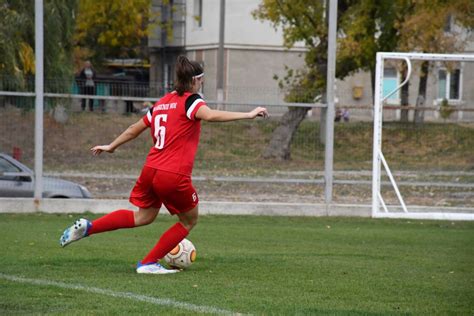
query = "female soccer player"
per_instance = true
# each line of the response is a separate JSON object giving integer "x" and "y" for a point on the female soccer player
{"x": 166, "y": 176}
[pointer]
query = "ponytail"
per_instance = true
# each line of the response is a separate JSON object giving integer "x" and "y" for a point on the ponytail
{"x": 186, "y": 70}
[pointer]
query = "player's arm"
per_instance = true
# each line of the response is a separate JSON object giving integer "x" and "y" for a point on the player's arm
{"x": 130, "y": 133}
{"x": 207, "y": 114}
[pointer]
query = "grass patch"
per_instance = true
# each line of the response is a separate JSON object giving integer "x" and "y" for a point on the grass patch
{"x": 259, "y": 265}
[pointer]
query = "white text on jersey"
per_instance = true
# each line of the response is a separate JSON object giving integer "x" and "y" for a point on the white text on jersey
{"x": 165, "y": 106}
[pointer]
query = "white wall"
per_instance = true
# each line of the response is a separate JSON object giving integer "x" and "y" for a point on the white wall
{"x": 208, "y": 34}
{"x": 241, "y": 29}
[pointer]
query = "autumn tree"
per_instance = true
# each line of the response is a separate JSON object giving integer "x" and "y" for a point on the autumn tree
{"x": 358, "y": 21}
{"x": 365, "y": 27}
{"x": 368, "y": 27}
{"x": 371, "y": 27}
{"x": 16, "y": 44}
{"x": 113, "y": 29}
{"x": 431, "y": 28}
{"x": 301, "y": 20}
{"x": 17, "y": 41}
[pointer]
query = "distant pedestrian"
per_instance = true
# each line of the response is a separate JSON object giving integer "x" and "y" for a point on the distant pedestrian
{"x": 87, "y": 84}
{"x": 342, "y": 114}
{"x": 345, "y": 115}
{"x": 338, "y": 116}
{"x": 146, "y": 106}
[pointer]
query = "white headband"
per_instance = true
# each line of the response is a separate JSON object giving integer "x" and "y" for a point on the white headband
{"x": 198, "y": 76}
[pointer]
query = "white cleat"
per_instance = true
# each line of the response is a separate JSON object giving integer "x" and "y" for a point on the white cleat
{"x": 153, "y": 268}
{"x": 77, "y": 231}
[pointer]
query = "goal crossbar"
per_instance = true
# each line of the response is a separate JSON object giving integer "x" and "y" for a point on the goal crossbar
{"x": 378, "y": 157}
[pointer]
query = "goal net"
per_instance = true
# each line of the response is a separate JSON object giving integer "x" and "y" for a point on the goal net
{"x": 419, "y": 89}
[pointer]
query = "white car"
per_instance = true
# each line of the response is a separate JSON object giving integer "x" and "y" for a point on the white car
{"x": 17, "y": 180}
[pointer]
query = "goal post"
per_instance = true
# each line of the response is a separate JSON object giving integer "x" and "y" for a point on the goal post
{"x": 380, "y": 209}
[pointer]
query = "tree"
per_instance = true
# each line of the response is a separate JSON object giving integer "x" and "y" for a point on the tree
{"x": 17, "y": 41}
{"x": 371, "y": 27}
{"x": 16, "y": 44}
{"x": 365, "y": 27}
{"x": 301, "y": 20}
{"x": 368, "y": 27}
{"x": 429, "y": 29}
{"x": 113, "y": 29}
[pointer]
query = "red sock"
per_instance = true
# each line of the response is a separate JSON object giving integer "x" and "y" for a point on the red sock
{"x": 167, "y": 242}
{"x": 112, "y": 221}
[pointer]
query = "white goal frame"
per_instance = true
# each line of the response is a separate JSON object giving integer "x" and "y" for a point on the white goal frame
{"x": 378, "y": 157}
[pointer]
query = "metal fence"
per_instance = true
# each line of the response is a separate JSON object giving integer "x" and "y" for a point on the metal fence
{"x": 433, "y": 161}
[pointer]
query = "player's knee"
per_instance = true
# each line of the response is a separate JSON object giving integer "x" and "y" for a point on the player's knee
{"x": 144, "y": 218}
{"x": 190, "y": 223}
{"x": 147, "y": 220}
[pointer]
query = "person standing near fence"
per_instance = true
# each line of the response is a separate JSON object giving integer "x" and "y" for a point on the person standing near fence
{"x": 166, "y": 176}
{"x": 87, "y": 84}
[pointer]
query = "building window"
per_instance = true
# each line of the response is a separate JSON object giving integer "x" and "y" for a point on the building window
{"x": 449, "y": 84}
{"x": 390, "y": 83}
{"x": 197, "y": 13}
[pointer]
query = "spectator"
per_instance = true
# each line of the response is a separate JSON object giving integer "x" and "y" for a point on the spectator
{"x": 129, "y": 108}
{"x": 345, "y": 115}
{"x": 146, "y": 106}
{"x": 129, "y": 91}
{"x": 342, "y": 114}
{"x": 338, "y": 115}
{"x": 87, "y": 84}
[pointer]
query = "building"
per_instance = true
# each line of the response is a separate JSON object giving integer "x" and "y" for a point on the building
{"x": 254, "y": 54}
{"x": 253, "y": 50}
{"x": 453, "y": 83}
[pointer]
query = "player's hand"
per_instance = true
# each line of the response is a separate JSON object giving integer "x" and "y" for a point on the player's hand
{"x": 97, "y": 150}
{"x": 259, "y": 111}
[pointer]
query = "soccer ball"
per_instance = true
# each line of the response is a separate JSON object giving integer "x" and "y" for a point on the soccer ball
{"x": 182, "y": 256}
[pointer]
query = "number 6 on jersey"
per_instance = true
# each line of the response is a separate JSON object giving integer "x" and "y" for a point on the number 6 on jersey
{"x": 160, "y": 131}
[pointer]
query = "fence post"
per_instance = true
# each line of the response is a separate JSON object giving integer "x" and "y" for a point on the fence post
{"x": 220, "y": 57}
{"x": 331, "y": 73}
{"x": 39, "y": 88}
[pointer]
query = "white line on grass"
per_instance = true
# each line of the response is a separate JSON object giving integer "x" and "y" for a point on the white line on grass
{"x": 127, "y": 295}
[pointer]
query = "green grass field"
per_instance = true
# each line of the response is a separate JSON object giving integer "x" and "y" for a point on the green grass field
{"x": 249, "y": 265}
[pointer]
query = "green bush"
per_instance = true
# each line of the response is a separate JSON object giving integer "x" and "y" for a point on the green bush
{"x": 445, "y": 110}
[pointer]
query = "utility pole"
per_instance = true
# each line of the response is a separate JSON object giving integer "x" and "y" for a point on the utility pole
{"x": 330, "y": 79}
{"x": 39, "y": 106}
{"x": 220, "y": 57}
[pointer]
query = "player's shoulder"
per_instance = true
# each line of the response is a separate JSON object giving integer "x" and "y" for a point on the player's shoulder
{"x": 192, "y": 97}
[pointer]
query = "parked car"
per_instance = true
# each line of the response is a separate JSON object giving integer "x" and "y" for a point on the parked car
{"x": 17, "y": 180}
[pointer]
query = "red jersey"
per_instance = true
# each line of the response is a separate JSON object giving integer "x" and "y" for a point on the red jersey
{"x": 175, "y": 131}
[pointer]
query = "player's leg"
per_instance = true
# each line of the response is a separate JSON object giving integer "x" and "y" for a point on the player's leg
{"x": 170, "y": 238}
{"x": 123, "y": 219}
{"x": 180, "y": 198}
{"x": 149, "y": 206}
{"x": 145, "y": 216}
{"x": 115, "y": 220}
{"x": 190, "y": 218}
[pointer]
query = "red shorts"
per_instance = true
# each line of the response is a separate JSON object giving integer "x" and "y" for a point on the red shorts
{"x": 156, "y": 187}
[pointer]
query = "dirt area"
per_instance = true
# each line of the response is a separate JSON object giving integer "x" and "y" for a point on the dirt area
{"x": 435, "y": 154}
